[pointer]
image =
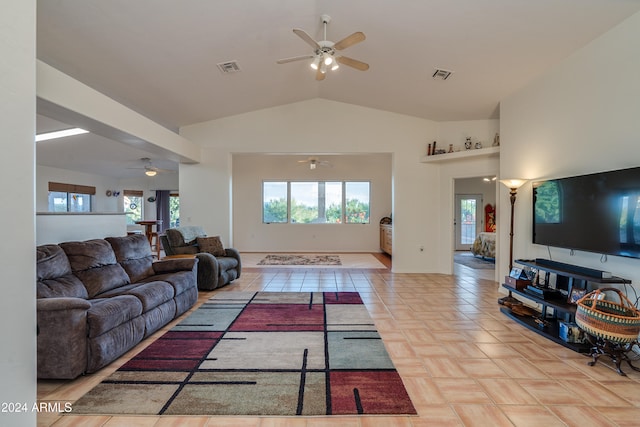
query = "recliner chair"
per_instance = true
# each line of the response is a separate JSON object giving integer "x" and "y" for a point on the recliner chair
{"x": 213, "y": 271}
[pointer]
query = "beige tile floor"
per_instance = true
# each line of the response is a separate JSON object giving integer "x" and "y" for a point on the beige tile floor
{"x": 463, "y": 362}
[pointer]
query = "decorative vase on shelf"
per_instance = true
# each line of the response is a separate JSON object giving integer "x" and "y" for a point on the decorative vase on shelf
{"x": 478, "y": 145}
{"x": 496, "y": 140}
{"x": 467, "y": 143}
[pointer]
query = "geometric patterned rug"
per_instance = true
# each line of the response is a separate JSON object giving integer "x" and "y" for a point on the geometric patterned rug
{"x": 260, "y": 353}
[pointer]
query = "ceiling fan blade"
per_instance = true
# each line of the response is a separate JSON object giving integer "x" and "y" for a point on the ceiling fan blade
{"x": 294, "y": 58}
{"x": 354, "y": 38}
{"x": 320, "y": 75}
{"x": 306, "y": 37}
{"x": 354, "y": 63}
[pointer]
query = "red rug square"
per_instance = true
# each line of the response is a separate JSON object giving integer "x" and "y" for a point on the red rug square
{"x": 368, "y": 392}
{"x": 342, "y": 298}
{"x": 280, "y": 317}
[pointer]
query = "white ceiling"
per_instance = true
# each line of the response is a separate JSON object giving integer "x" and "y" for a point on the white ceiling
{"x": 159, "y": 57}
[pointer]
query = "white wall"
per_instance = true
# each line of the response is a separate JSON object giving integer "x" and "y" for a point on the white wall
{"x": 17, "y": 173}
{"x": 456, "y": 133}
{"x": 205, "y": 189}
{"x": 301, "y": 128}
{"x": 250, "y": 234}
{"x": 581, "y": 117}
{"x": 57, "y": 228}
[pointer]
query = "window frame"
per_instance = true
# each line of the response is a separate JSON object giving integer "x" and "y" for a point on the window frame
{"x": 132, "y": 193}
{"x": 71, "y": 190}
{"x": 343, "y": 206}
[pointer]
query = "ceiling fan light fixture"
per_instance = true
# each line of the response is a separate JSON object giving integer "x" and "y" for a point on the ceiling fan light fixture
{"x": 335, "y": 66}
{"x": 316, "y": 62}
{"x": 150, "y": 172}
{"x": 312, "y": 165}
{"x": 328, "y": 59}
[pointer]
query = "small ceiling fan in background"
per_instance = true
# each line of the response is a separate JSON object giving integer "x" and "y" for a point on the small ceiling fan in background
{"x": 324, "y": 51}
{"x": 149, "y": 169}
{"x": 314, "y": 162}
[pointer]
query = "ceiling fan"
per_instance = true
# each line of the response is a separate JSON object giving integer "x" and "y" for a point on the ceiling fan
{"x": 314, "y": 162}
{"x": 324, "y": 51}
{"x": 149, "y": 169}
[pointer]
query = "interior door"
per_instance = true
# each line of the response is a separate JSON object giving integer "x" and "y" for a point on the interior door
{"x": 468, "y": 220}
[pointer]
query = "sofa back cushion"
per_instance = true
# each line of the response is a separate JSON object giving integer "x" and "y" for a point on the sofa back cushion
{"x": 94, "y": 263}
{"x": 184, "y": 236}
{"x": 133, "y": 253}
{"x": 54, "y": 275}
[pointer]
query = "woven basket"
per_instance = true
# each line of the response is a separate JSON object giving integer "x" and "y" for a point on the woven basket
{"x": 618, "y": 322}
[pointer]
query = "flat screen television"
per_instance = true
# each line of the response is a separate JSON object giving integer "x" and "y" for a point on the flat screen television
{"x": 598, "y": 212}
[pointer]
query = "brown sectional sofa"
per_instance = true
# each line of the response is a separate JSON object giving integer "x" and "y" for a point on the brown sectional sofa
{"x": 97, "y": 299}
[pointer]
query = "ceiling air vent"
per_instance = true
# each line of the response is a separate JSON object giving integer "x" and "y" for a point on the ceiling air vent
{"x": 442, "y": 74}
{"x": 229, "y": 67}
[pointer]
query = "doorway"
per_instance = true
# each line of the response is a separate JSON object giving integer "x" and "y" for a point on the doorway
{"x": 468, "y": 221}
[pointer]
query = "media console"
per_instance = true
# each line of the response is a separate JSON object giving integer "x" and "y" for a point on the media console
{"x": 564, "y": 278}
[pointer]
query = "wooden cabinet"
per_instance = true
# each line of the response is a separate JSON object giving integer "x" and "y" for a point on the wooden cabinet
{"x": 386, "y": 238}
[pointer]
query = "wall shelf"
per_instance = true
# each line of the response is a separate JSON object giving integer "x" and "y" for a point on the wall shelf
{"x": 464, "y": 154}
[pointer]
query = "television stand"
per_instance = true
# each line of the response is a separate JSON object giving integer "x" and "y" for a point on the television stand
{"x": 552, "y": 312}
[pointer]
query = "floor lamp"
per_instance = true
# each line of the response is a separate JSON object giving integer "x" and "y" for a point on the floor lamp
{"x": 512, "y": 185}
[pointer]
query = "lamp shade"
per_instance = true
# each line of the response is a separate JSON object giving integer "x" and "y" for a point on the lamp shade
{"x": 513, "y": 183}
{"x": 316, "y": 62}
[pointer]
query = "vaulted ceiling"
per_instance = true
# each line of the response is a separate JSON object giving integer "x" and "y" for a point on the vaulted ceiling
{"x": 159, "y": 57}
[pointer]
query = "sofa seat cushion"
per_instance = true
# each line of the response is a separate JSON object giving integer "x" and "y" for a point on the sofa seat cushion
{"x": 54, "y": 276}
{"x": 133, "y": 253}
{"x": 180, "y": 281}
{"x": 94, "y": 263}
{"x": 108, "y": 313}
{"x": 227, "y": 263}
{"x": 151, "y": 294}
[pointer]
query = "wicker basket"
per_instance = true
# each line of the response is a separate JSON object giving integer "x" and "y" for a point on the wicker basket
{"x": 606, "y": 319}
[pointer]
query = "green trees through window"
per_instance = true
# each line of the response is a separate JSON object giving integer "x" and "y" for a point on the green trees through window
{"x": 311, "y": 202}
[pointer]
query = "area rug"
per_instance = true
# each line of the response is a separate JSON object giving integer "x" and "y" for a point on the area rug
{"x": 348, "y": 260}
{"x": 260, "y": 353}
{"x": 471, "y": 261}
{"x": 301, "y": 260}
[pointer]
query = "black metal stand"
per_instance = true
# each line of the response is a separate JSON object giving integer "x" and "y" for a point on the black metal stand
{"x": 615, "y": 350}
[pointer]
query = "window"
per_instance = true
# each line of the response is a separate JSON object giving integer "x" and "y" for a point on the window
{"x": 133, "y": 202}
{"x": 274, "y": 202}
{"x": 174, "y": 210}
{"x": 311, "y": 202}
{"x": 357, "y": 202}
{"x": 70, "y": 197}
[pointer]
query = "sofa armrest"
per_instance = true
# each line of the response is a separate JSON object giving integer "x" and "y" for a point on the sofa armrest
{"x": 234, "y": 253}
{"x": 174, "y": 264}
{"x": 62, "y": 337}
{"x": 208, "y": 271}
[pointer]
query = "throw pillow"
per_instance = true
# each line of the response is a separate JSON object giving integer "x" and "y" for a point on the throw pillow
{"x": 212, "y": 245}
